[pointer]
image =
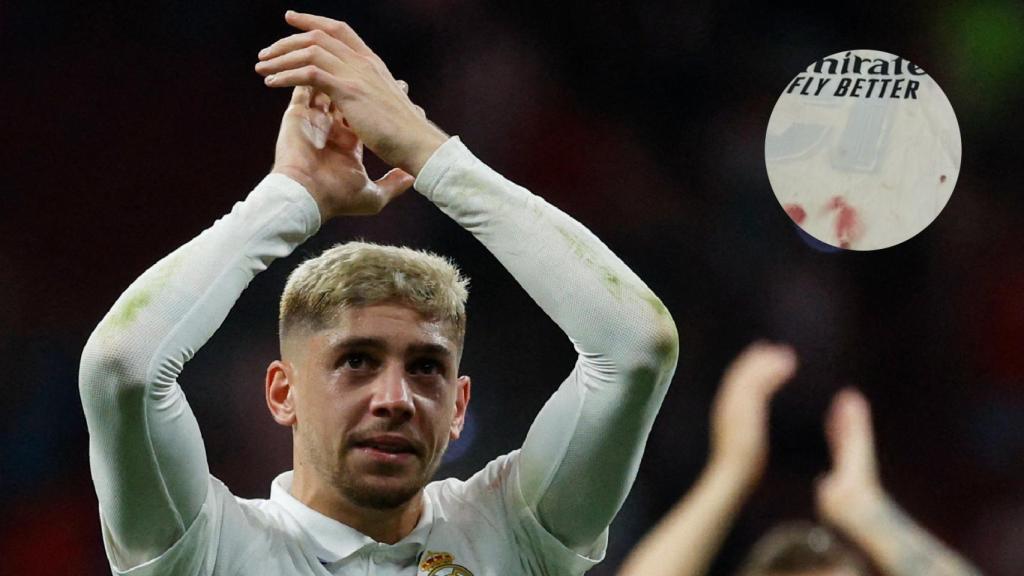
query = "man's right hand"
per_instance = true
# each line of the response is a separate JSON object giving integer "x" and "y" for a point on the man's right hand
{"x": 739, "y": 417}
{"x": 852, "y": 488}
{"x": 330, "y": 57}
{"x": 317, "y": 149}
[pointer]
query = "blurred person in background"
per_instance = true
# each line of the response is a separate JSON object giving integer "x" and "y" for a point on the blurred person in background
{"x": 371, "y": 341}
{"x": 850, "y": 498}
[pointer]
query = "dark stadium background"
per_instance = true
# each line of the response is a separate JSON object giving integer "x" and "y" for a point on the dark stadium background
{"x": 127, "y": 128}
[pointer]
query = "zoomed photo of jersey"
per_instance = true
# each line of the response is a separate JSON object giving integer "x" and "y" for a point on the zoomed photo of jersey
{"x": 863, "y": 150}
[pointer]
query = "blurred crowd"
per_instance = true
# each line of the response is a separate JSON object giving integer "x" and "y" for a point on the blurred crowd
{"x": 130, "y": 128}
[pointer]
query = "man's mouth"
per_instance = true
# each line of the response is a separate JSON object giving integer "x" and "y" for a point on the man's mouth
{"x": 387, "y": 447}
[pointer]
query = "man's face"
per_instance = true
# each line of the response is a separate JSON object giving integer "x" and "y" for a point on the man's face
{"x": 376, "y": 400}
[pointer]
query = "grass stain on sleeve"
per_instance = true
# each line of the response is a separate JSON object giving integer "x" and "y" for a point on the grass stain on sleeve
{"x": 141, "y": 295}
{"x": 586, "y": 255}
{"x": 127, "y": 311}
{"x": 655, "y": 303}
{"x": 612, "y": 281}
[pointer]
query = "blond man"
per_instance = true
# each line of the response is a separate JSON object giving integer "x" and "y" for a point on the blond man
{"x": 368, "y": 381}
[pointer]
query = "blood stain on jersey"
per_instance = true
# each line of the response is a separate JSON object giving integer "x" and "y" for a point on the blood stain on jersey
{"x": 848, "y": 227}
{"x": 796, "y": 213}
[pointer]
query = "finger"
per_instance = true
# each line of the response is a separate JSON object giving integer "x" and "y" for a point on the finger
{"x": 394, "y": 183}
{"x": 315, "y": 55}
{"x": 851, "y": 413}
{"x": 301, "y": 96}
{"x": 762, "y": 368}
{"x": 857, "y": 419}
{"x": 321, "y": 101}
{"x": 833, "y": 431}
{"x": 779, "y": 366}
{"x": 849, "y": 430}
{"x": 342, "y": 135}
{"x": 404, "y": 86}
{"x": 316, "y": 125}
{"x": 312, "y": 76}
{"x": 335, "y": 28}
{"x": 305, "y": 40}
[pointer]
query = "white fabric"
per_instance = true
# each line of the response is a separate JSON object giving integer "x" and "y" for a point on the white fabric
{"x": 543, "y": 509}
{"x": 894, "y": 162}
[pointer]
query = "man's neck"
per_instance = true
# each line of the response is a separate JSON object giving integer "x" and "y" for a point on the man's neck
{"x": 387, "y": 526}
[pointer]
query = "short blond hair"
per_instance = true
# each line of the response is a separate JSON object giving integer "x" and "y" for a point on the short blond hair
{"x": 357, "y": 274}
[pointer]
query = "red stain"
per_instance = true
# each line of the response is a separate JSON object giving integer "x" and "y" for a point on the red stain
{"x": 848, "y": 225}
{"x": 942, "y": 178}
{"x": 796, "y": 212}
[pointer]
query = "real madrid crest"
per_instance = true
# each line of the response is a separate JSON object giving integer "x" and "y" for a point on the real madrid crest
{"x": 442, "y": 564}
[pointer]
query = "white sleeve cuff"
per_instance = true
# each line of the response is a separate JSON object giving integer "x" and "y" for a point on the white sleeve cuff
{"x": 295, "y": 193}
{"x": 449, "y": 154}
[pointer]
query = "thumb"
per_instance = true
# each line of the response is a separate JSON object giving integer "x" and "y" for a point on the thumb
{"x": 849, "y": 431}
{"x": 394, "y": 183}
{"x": 301, "y": 96}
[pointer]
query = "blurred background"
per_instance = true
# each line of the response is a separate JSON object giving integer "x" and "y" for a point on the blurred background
{"x": 129, "y": 128}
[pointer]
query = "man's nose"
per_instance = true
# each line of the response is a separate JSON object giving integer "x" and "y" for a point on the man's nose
{"x": 392, "y": 398}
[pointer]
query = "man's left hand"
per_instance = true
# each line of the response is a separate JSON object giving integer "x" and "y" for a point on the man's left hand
{"x": 331, "y": 58}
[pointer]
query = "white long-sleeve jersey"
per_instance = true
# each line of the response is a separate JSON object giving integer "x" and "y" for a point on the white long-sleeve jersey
{"x": 543, "y": 509}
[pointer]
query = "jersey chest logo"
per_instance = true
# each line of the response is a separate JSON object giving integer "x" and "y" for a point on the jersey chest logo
{"x": 442, "y": 564}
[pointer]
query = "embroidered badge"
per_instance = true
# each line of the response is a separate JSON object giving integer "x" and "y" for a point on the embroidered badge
{"x": 442, "y": 564}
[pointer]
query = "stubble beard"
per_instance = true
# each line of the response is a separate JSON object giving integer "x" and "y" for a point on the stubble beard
{"x": 383, "y": 492}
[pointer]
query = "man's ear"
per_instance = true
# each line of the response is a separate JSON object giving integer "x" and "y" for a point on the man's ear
{"x": 462, "y": 391}
{"x": 280, "y": 395}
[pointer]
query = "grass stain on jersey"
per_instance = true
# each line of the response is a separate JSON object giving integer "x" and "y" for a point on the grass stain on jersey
{"x": 586, "y": 255}
{"x": 127, "y": 312}
{"x": 142, "y": 294}
{"x": 609, "y": 278}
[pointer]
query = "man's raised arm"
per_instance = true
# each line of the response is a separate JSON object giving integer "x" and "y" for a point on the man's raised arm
{"x": 582, "y": 453}
{"x": 851, "y": 497}
{"x": 146, "y": 453}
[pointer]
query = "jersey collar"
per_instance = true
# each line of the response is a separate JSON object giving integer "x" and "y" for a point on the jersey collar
{"x": 332, "y": 540}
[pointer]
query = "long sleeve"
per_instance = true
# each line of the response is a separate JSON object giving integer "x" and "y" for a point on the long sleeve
{"x": 145, "y": 450}
{"x": 582, "y": 453}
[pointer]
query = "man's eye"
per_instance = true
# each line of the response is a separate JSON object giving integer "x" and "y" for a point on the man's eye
{"x": 355, "y": 361}
{"x": 426, "y": 367}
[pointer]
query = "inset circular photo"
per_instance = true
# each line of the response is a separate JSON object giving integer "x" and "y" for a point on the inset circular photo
{"x": 862, "y": 150}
